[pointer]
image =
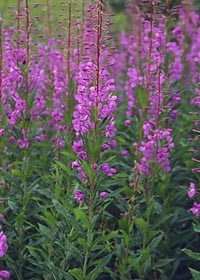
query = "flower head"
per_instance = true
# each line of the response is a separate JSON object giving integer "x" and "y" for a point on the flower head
{"x": 4, "y": 274}
{"x": 103, "y": 194}
{"x": 3, "y": 244}
{"x": 79, "y": 195}
{"x": 192, "y": 190}
{"x": 196, "y": 209}
{"x": 124, "y": 153}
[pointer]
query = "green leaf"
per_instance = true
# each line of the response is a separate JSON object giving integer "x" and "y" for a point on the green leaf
{"x": 125, "y": 236}
{"x": 123, "y": 224}
{"x": 80, "y": 215}
{"x": 76, "y": 272}
{"x": 49, "y": 219}
{"x": 163, "y": 219}
{"x": 88, "y": 171}
{"x": 94, "y": 274}
{"x": 12, "y": 205}
{"x": 103, "y": 238}
{"x": 57, "y": 190}
{"x": 141, "y": 223}
{"x": 17, "y": 172}
{"x": 26, "y": 199}
{"x": 154, "y": 243}
{"x": 70, "y": 155}
{"x": 137, "y": 266}
{"x": 145, "y": 254}
{"x": 162, "y": 263}
{"x": 152, "y": 234}
{"x": 195, "y": 273}
{"x": 196, "y": 228}
{"x": 20, "y": 219}
{"x": 65, "y": 168}
{"x": 190, "y": 253}
{"x": 45, "y": 231}
{"x": 142, "y": 96}
{"x": 33, "y": 251}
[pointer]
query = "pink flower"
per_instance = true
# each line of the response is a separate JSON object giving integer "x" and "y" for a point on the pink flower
{"x": 4, "y": 274}
{"x": 23, "y": 143}
{"x": 79, "y": 195}
{"x": 127, "y": 123}
{"x": 103, "y": 194}
{"x": 1, "y": 216}
{"x": 112, "y": 144}
{"x": 3, "y": 244}
{"x": 108, "y": 170}
{"x": 124, "y": 153}
{"x": 196, "y": 209}
{"x": 192, "y": 190}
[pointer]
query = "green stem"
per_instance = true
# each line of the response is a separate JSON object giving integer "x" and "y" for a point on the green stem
{"x": 130, "y": 226}
{"x": 145, "y": 235}
{"x": 89, "y": 237}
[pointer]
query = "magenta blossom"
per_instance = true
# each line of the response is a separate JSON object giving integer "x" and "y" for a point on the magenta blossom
{"x": 1, "y": 216}
{"x": 192, "y": 190}
{"x": 108, "y": 170}
{"x": 3, "y": 244}
{"x": 124, "y": 153}
{"x": 196, "y": 209}
{"x": 79, "y": 195}
{"x": 4, "y": 274}
{"x": 103, "y": 194}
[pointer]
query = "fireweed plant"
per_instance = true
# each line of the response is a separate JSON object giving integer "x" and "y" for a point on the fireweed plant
{"x": 3, "y": 238}
{"x": 148, "y": 110}
{"x": 193, "y": 192}
{"x": 93, "y": 141}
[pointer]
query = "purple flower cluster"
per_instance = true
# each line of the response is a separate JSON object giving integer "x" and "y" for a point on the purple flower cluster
{"x": 155, "y": 143}
{"x": 156, "y": 147}
{"x": 108, "y": 170}
{"x": 192, "y": 190}
{"x": 3, "y": 249}
{"x": 79, "y": 195}
{"x": 3, "y": 244}
{"x": 93, "y": 116}
{"x": 47, "y": 69}
{"x": 93, "y": 104}
{"x": 190, "y": 24}
{"x": 196, "y": 206}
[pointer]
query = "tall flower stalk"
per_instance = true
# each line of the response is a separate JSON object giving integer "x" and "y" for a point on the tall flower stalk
{"x": 147, "y": 99}
{"x": 93, "y": 116}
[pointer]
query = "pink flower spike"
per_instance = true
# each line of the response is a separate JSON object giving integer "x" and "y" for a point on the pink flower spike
{"x": 192, "y": 190}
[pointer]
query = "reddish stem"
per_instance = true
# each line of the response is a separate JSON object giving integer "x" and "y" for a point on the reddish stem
{"x": 27, "y": 45}
{"x": 48, "y": 18}
{"x": 151, "y": 41}
{"x": 69, "y": 37}
{"x": 18, "y": 23}
{"x": 159, "y": 95}
{"x": 99, "y": 30}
